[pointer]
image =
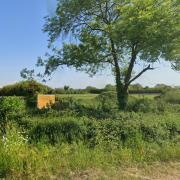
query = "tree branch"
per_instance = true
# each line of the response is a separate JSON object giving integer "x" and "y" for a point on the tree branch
{"x": 138, "y": 75}
{"x": 82, "y": 22}
{"x": 131, "y": 65}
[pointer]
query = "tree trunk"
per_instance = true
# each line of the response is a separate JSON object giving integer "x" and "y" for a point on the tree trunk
{"x": 122, "y": 90}
{"x": 123, "y": 98}
{"x": 122, "y": 93}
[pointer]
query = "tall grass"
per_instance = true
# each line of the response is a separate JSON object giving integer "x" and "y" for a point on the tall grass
{"x": 19, "y": 159}
{"x": 54, "y": 143}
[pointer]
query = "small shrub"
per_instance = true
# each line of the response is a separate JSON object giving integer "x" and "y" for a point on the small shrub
{"x": 18, "y": 158}
{"x": 31, "y": 101}
{"x": 59, "y": 130}
{"x": 146, "y": 105}
{"x": 169, "y": 152}
{"x": 141, "y": 105}
{"x": 172, "y": 96}
{"x": 65, "y": 104}
{"x": 107, "y": 101}
{"x": 100, "y": 108}
{"x": 11, "y": 108}
{"x": 10, "y": 149}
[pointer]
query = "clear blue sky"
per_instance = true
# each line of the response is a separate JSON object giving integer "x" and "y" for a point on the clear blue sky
{"x": 22, "y": 41}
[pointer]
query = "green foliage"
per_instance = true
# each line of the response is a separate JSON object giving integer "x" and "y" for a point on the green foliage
{"x": 116, "y": 35}
{"x": 63, "y": 160}
{"x": 55, "y": 130}
{"x": 172, "y": 96}
{"x": 93, "y": 90}
{"x": 97, "y": 107}
{"x": 17, "y": 157}
{"x": 105, "y": 106}
{"x": 25, "y": 88}
{"x": 63, "y": 144}
{"x": 31, "y": 101}
{"x": 131, "y": 22}
{"x": 81, "y": 134}
{"x": 11, "y": 108}
{"x": 10, "y": 149}
{"x": 146, "y": 105}
{"x": 68, "y": 103}
{"x": 70, "y": 91}
{"x": 107, "y": 101}
{"x": 129, "y": 127}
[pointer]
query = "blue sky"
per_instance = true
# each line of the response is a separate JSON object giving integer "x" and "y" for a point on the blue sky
{"x": 22, "y": 41}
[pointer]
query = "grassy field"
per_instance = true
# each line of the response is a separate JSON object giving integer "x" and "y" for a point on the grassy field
{"x": 79, "y": 96}
{"x": 149, "y": 96}
{"x": 92, "y": 96}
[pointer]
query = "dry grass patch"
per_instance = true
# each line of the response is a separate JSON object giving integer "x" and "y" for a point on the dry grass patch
{"x": 157, "y": 171}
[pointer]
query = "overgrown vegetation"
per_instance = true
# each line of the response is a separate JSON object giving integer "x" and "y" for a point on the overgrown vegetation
{"x": 172, "y": 96}
{"x": 19, "y": 159}
{"x": 25, "y": 88}
{"x": 76, "y": 135}
{"x": 96, "y": 133}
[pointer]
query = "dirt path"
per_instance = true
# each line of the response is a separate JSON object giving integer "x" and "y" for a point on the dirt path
{"x": 163, "y": 171}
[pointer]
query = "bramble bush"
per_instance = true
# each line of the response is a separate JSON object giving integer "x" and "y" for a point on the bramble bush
{"x": 107, "y": 101}
{"x": 54, "y": 131}
{"x": 20, "y": 159}
{"x": 12, "y": 108}
{"x": 151, "y": 128}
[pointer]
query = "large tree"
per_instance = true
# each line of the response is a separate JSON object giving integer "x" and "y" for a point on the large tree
{"x": 116, "y": 34}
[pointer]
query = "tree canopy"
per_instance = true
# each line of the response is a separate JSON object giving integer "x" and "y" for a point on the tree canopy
{"x": 116, "y": 34}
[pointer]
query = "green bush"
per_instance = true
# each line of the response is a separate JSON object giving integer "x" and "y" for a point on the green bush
{"x": 18, "y": 157}
{"x": 99, "y": 108}
{"x": 10, "y": 147}
{"x": 129, "y": 127}
{"x": 31, "y": 101}
{"x": 172, "y": 96}
{"x": 93, "y": 90}
{"x": 12, "y": 108}
{"x": 107, "y": 101}
{"x": 65, "y": 104}
{"x": 68, "y": 143}
{"x": 25, "y": 88}
{"x": 60, "y": 130}
{"x": 146, "y": 105}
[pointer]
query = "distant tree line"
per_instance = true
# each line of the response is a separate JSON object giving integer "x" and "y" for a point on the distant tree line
{"x": 31, "y": 88}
